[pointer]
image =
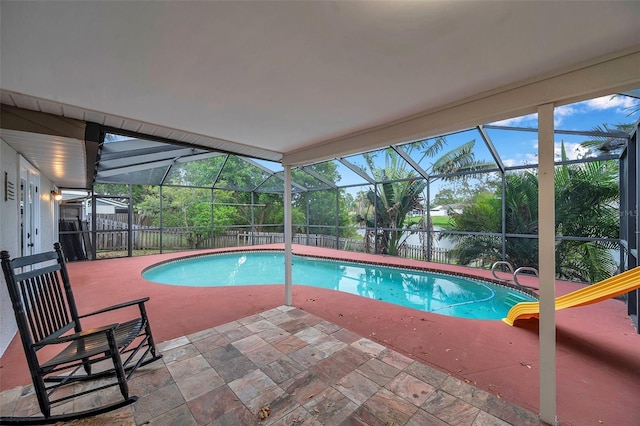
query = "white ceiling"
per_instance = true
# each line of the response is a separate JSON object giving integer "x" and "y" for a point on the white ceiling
{"x": 62, "y": 160}
{"x": 306, "y": 80}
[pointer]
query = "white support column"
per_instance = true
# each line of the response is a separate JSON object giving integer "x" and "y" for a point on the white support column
{"x": 547, "y": 260}
{"x": 288, "y": 285}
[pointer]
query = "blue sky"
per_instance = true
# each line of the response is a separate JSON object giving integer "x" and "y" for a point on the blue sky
{"x": 579, "y": 116}
{"x": 519, "y": 147}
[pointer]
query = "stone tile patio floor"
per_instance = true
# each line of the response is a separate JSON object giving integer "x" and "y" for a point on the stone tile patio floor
{"x": 290, "y": 368}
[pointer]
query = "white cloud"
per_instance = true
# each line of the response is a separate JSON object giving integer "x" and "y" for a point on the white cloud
{"x": 561, "y": 112}
{"x": 531, "y": 158}
{"x": 522, "y": 121}
{"x": 510, "y": 162}
{"x": 621, "y": 103}
{"x": 573, "y": 150}
{"x": 521, "y": 160}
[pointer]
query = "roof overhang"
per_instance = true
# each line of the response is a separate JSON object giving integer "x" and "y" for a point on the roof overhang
{"x": 301, "y": 82}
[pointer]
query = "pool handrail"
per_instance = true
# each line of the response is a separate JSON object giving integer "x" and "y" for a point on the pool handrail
{"x": 514, "y": 273}
{"x": 522, "y": 269}
{"x": 501, "y": 262}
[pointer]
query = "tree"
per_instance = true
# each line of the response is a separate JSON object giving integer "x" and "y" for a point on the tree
{"x": 446, "y": 197}
{"x": 400, "y": 188}
{"x": 391, "y": 204}
{"x": 322, "y": 206}
{"x": 586, "y": 197}
{"x": 484, "y": 215}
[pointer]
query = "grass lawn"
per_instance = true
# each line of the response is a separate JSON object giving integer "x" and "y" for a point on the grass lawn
{"x": 439, "y": 221}
{"x": 442, "y": 221}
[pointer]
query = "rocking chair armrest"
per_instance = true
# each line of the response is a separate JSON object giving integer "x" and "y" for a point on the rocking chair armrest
{"x": 118, "y": 306}
{"x": 75, "y": 336}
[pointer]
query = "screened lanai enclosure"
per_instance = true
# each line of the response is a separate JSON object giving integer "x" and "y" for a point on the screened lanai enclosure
{"x": 468, "y": 197}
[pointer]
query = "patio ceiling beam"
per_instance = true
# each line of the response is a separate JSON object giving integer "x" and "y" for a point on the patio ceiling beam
{"x": 615, "y": 72}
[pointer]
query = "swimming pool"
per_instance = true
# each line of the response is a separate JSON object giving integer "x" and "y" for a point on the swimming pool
{"x": 425, "y": 291}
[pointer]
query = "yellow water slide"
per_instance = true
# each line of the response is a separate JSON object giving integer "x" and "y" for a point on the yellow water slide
{"x": 594, "y": 293}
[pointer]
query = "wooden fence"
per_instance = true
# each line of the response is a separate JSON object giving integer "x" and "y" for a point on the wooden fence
{"x": 112, "y": 235}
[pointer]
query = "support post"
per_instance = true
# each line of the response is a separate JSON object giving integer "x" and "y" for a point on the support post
{"x": 337, "y": 219}
{"x": 288, "y": 284}
{"x": 160, "y": 218}
{"x": 546, "y": 257}
{"x": 429, "y": 257}
{"x": 94, "y": 224}
{"x": 375, "y": 221}
{"x": 212, "y": 229}
{"x": 306, "y": 220}
{"x": 253, "y": 218}
{"x": 130, "y": 222}
{"x": 504, "y": 216}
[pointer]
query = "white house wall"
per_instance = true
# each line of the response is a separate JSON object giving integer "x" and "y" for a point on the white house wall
{"x": 9, "y": 230}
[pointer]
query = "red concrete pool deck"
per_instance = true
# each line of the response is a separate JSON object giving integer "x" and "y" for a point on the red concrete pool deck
{"x": 598, "y": 350}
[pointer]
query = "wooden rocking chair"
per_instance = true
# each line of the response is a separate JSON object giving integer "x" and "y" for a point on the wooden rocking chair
{"x": 46, "y": 315}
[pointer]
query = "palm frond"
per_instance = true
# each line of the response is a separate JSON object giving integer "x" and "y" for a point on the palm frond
{"x": 607, "y": 143}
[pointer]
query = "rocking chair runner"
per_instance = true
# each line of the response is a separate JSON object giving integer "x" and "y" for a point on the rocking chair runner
{"x": 46, "y": 315}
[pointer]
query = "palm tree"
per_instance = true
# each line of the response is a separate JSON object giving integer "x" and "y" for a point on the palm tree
{"x": 586, "y": 206}
{"x": 484, "y": 215}
{"x": 587, "y": 197}
{"x": 400, "y": 189}
{"x": 391, "y": 204}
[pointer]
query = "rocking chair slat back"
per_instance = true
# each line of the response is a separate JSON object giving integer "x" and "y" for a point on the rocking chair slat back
{"x": 43, "y": 304}
{"x": 33, "y": 259}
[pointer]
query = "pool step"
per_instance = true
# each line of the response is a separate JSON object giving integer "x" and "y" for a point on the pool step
{"x": 513, "y": 299}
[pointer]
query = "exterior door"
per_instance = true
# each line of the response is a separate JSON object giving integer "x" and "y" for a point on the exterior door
{"x": 29, "y": 209}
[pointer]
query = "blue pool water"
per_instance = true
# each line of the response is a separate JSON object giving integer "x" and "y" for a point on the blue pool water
{"x": 425, "y": 291}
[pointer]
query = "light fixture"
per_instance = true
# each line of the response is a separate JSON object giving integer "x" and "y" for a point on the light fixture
{"x": 56, "y": 195}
